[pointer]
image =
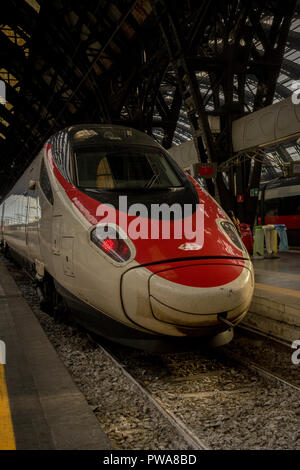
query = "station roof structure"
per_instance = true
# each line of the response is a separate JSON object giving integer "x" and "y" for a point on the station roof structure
{"x": 66, "y": 62}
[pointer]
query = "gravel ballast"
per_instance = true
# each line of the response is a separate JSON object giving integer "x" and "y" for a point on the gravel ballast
{"x": 227, "y": 405}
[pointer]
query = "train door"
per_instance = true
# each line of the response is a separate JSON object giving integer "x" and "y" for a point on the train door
{"x": 33, "y": 214}
{"x": 68, "y": 251}
{"x": 33, "y": 227}
{"x": 56, "y": 234}
{"x": 1, "y": 222}
{"x": 46, "y": 201}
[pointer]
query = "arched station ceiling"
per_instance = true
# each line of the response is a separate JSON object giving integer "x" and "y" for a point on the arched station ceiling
{"x": 139, "y": 62}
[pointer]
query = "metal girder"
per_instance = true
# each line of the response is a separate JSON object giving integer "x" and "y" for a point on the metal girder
{"x": 231, "y": 52}
{"x": 12, "y": 57}
{"x": 53, "y": 45}
{"x": 186, "y": 79}
{"x": 291, "y": 68}
{"x": 18, "y": 12}
{"x": 282, "y": 90}
{"x": 141, "y": 62}
{"x": 174, "y": 115}
{"x": 293, "y": 39}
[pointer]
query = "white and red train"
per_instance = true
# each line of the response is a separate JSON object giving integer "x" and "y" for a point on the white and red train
{"x": 135, "y": 291}
{"x": 279, "y": 203}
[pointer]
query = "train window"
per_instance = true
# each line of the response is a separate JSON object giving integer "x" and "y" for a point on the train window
{"x": 45, "y": 183}
{"x": 120, "y": 168}
{"x": 271, "y": 207}
{"x": 289, "y": 205}
{"x": 282, "y": 206}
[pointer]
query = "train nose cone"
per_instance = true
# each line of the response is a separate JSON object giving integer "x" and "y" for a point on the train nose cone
{"x": 176, "y": 295}
{"x": 201, "y": 288}
{"x": 194, "y": 295}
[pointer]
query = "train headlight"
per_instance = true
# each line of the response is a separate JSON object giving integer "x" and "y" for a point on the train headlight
{"x": 115, "y": 247}
{"x": 230, "y": 231}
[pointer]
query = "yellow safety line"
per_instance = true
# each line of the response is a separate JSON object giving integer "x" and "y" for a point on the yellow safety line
{"x": 278, "y": 290}
{"x": 266, "y": 272}
{"x": 7, "y": 437}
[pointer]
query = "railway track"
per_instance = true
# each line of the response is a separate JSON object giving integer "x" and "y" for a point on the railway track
{"x": 219, "y": 400}
{"x": 261, "y": 370}
{"x": 270, "y": 367}
{"x": 255, "y": 331}
{"x": 187, "y": 434}
{"x": 209, "y": 389}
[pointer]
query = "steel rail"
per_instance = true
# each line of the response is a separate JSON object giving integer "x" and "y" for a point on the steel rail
{"x": 187, "y": 434}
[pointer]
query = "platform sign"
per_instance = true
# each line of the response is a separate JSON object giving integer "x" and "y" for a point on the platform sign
{"x": 203, "y": 170}
{"x": 254, "y": 192}
{"x": 240, "y": 197}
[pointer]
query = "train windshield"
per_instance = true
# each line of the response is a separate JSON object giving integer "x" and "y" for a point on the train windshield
{"x": 121, "y": 168}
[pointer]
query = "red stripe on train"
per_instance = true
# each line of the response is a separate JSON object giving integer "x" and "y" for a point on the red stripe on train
{"x": 149, "y": 251}
{"x": 292, "y": 222}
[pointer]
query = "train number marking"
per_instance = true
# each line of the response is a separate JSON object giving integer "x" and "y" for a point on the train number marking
{"x": 190, "y": 247}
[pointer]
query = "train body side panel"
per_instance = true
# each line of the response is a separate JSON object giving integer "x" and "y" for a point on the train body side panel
{"x": 73, "y": 260}
{"x": 79, "y": 266}
{"x": 21, "y": 215}
{"x": 54, "y": 232}
{"x": 57, "y": 237}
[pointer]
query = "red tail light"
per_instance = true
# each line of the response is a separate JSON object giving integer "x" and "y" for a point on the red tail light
{"x": 116, "y": 248}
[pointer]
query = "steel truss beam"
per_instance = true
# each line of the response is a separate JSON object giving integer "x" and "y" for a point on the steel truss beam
{"x": 142, "y": 62}
{"x": 232, "y": 49}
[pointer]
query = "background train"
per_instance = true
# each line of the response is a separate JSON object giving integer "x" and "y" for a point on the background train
{"x": 135, "y": 291}
{"x": 279, "y": 203}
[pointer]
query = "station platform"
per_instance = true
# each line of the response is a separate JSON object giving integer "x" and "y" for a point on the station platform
{"x": 41, "y": 408}
{"x": 275, "y": 308}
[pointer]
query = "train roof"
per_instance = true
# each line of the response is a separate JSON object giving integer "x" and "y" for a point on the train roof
{"x": 95, "y": 134}
{"x": 280, "y": 182}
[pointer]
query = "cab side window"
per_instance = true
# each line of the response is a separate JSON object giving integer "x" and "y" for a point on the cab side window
{"x": 45, "y": 183}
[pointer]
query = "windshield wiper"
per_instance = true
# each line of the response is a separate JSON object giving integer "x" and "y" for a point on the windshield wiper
{"x": 143, "y": 188}
{"x": 152, "y": 180}
{"x": 99, "y": 190}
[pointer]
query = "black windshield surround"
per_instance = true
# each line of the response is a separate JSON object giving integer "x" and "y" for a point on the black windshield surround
{"x": 182, "y": 193}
